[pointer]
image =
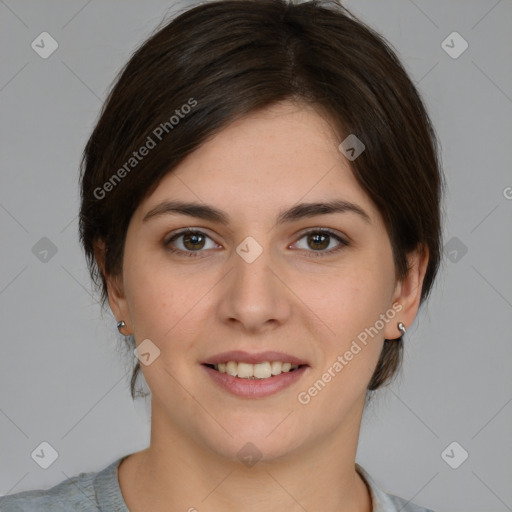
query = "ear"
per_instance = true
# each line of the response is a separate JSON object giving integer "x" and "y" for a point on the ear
{"x": 116, "y": 296}
{"x": 408, "y": 292}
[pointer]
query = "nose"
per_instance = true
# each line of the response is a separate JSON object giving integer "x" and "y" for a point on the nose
{"x": 254, "y": 295}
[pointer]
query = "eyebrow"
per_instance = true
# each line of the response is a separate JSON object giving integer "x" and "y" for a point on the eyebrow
{"x": 297, "y": 212}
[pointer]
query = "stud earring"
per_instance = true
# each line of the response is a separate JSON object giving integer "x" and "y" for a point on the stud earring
{"x": 401, "y": 328}
{"x": 120, "y": 325}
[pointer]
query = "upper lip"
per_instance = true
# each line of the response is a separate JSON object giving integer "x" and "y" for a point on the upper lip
{"x": 253, "y": 358}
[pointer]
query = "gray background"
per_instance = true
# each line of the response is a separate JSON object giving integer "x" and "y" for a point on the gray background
{"x": 64, "y": 374}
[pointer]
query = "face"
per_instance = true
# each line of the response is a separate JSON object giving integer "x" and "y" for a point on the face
{"x": 260, "y": 280}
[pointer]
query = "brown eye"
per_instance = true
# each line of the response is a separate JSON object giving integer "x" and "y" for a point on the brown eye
{"x": 189, "y": 242}
{"x": 319, "y": 240}
{"x": 193, "y": 241}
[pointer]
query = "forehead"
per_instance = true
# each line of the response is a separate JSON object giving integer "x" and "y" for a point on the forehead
{"x": 275, "y": 157}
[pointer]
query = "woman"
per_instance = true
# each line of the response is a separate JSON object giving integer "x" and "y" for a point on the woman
{"x": 261, "y": 209}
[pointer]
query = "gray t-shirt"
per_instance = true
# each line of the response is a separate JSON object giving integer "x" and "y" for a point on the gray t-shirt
{"x": 100, "y": 492}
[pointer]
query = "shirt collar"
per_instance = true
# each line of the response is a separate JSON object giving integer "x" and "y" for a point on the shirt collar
{"x": 107, "y": 489}
{"x": 381, "y": 501}
{"x": 110, "y": 498}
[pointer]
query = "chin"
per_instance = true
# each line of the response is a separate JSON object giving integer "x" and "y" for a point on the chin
{"x": 256, "y": 439}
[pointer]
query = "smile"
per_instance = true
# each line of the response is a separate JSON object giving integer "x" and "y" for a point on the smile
{"x": 263, "y": 370}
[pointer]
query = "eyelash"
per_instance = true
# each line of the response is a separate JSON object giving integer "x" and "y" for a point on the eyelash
{"x": 194, "y": 254}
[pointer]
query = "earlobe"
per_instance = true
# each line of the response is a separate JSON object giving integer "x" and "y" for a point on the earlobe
{"x": 408, "y": 292}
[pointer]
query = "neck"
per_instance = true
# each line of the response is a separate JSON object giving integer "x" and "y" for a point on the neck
{"x": 175, "y": 473}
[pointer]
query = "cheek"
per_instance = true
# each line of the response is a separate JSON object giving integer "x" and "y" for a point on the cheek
{"x": 151, "y": 293}
{"x": 352, "y": 298}
{"x": 351, "y": 305}
{"x": 166, "y": 301}
{"x": 350, "y": 355}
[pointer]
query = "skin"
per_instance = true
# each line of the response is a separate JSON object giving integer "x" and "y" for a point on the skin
{"x": 296, "y": 297}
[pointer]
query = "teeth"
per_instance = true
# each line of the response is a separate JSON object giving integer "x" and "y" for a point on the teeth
{"x": 232, "y": 368}
{"x": 275, "y": 367}
{"x": 255, "y": 371}
{"x": 261, "y": 370}
{"x": 245, "y": 370}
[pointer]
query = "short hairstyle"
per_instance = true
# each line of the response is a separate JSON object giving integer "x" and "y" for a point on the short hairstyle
{"x": 224, "y": 59}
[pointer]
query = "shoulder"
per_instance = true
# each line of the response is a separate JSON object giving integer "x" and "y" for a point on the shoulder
{"x": 78, "y": 493}
{"x": 405, "y": 505}
{"x": 385, "y": 502}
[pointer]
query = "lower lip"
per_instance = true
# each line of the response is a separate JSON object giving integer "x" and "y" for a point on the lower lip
{"x": 255, "y": 388}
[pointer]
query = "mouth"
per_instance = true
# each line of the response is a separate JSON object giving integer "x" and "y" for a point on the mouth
{"x": 254, "y": 375}
{"x": 264, "y": 370}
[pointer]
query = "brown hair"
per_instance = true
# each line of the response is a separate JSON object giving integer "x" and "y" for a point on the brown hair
{"x": 224, "y": 59}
